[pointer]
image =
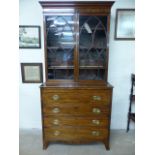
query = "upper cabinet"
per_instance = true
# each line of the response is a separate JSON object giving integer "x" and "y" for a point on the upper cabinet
{"x": 76, "y": 41}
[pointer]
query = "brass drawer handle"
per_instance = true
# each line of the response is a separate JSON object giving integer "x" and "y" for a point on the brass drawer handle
{"x": 55, "y": 122}
{"x": 55, "y": 110}
{"x": 55, "y": 97}
{"x": 96, "y": 110}
{"x": 96, "y": 122}
{"x": 95, "y": 133}
{"x": 97, "y": 98}
{"x": 56, "y": 133}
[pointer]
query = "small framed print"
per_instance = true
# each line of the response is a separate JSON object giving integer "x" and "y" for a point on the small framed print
{"x": 31, "y": 72}
{"x": 125, "y": 24}
{"x": 29, "y": 36}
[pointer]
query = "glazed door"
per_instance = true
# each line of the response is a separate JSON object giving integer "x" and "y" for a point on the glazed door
{"x": 76, "y": 46}
{"x": 92, "y": 47}
{"x": 60, "y": 45}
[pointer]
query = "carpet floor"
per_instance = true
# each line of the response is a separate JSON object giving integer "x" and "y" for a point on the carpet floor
{"x": 121, "y": 143}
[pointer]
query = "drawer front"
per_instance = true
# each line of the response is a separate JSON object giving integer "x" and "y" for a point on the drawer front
{"x": 78, "y": 96}
{"x": 80, "y": 109}
{"x": 95, "y": 96}
{"x": 50, "y": 98}
{"x": 75, "y": 121}
{"x": 75, "y": 133}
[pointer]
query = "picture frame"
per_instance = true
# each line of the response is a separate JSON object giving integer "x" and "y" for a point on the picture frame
{"x": 29, "y": 36}
{"x": 125, "y": 24}
{"x": 31, "y": 72}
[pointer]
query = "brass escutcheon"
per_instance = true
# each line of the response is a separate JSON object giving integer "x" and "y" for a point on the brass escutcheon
{"x": 96, "y": 110}
{"x": 97, "y": 98}
{"x": 55, "y": 97}
{"x": 56, "y": 133}
{"x": 56, "y": 122}
{"x": 95, "y": 133}
{"x": 55, "y": 110}
{"x": 96, "y": 122}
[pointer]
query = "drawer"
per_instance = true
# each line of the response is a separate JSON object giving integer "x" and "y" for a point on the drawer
{"x": 77, "y": 109}
{"x": 74, "y": 90}
{"x": 76, "y": 121}
{"x": 78, "y": 96}
{"x": 95, "y": 96}
{"x": 58, "y": 97}
{"x": 71, "y": 133}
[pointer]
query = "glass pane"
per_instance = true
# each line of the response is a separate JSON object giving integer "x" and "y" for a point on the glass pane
{"x": 92, "y": 47}
{"x": 60, "y": 73}
{"x": 92, "y": 74}
{"x": 60, "y": 46}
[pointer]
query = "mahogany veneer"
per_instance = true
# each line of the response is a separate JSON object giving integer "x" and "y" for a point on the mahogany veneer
{"x": 76, "y": 97}
{"x": 76, "y": 117}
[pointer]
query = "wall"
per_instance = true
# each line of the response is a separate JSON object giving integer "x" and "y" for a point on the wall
{"x": 121, "y": 65}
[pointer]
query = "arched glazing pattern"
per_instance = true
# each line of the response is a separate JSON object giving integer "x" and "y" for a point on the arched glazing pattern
{"x": 60, "y": 46}
{"x": 92, "y": 47}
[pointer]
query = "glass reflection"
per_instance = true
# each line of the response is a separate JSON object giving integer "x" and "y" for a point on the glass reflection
{"x": 92, "y": 47}
{"x": 60, "y": 46}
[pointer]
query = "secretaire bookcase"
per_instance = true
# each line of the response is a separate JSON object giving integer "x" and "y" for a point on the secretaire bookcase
{"x": 76, "y": 97}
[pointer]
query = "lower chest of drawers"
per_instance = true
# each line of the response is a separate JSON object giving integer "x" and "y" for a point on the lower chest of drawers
{"x": 75, "y": 116}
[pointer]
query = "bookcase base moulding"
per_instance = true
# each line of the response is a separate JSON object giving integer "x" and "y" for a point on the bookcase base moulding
{"x": 76, "y": 98}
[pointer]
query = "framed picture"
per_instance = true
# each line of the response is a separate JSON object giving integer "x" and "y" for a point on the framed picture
{"x": 125, "y": 24}
{"x": 29, "y": 36}
{"x": 31, "y": 72}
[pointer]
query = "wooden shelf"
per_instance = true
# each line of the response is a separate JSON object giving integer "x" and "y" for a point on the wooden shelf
{"x": 82, "y": 47}
{"x": 92, "y": 67}
{"x": 61, "y": 47}
{"x": 133, "y": 98}
{"x": 132, "y": 116}
{"x": 92, "y": 29}
{"x": 71, "y": 47}
{"x": 61, "y": 67}
{"x": 72, "y": 67}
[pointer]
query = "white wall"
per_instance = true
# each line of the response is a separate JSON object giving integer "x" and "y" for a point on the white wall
{"x": 121, "y": 65}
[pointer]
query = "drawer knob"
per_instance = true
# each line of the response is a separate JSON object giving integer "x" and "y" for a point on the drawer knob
{"x": 96, "y": 122}
{"x": 55, "y": 110}
{"x": 55, "y": 122}
{"x": 55, "y": 97}
{"x": 56, "y": 133}
{"x": 95, "y": 133}
{"x": 96, "y": 110}
{"x": 97, "y": 98}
